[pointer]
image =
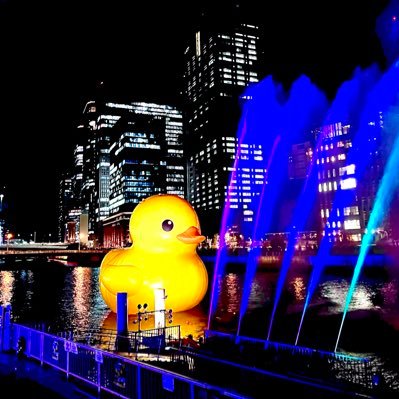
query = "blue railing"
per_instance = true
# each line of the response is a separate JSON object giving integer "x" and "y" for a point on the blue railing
{"x": 267, "y": 363}
{"x": 153, "y": 340}
{"x": 329, "y": 367}
{"x": 104, "y": 371}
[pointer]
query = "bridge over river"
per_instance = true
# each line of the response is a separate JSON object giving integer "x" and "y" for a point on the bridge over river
{"x": 16, "y": 252}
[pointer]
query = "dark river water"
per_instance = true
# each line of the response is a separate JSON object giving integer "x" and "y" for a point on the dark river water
{"x": 61, "y": 297}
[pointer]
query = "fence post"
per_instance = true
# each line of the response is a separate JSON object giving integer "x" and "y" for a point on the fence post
{"x": 98, "y": 378}
{"x": 67, "y": 363}
{"x": 6, "y": 333}
{"x": 41, "y": 347}
{"x": 1, "y": 327}
{"x": 191, "y": 390}
{"x": 29, "y": 343}
{"x": 138, "y": 383}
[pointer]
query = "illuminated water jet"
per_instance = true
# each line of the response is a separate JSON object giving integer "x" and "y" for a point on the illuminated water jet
{"x": 387, "y": 188}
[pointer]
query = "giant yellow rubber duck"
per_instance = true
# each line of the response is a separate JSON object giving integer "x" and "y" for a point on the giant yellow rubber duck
{"x": 165, "y": 232}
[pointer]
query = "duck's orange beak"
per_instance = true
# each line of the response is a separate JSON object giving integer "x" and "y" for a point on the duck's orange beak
{"x": 191, "y": 236}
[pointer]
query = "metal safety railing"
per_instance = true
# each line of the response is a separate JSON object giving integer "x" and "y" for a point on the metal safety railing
{"x": 154, "y": 340}
{"x": 329, "y": 367}
{"x": 225, "y": 366}
{"x": 117, "y": 375}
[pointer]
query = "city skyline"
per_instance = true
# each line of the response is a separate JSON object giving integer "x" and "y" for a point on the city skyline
{"x": 42, "y": 101}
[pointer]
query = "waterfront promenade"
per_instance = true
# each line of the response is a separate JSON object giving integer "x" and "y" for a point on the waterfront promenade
{"x": 46, "y": 360}
{"x": 28, "y": 379}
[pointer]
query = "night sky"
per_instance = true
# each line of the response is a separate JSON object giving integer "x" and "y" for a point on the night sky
{"x": 54, "y": 53}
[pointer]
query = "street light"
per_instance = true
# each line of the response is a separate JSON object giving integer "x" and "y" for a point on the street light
{"x": 140, "y": 315}
{"x": 166, "y": 314}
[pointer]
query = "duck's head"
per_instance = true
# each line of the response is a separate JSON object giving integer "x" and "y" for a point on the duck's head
{"x": 165, "y": 222}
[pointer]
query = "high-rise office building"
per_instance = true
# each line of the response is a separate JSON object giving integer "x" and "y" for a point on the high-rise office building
{"x": 88, "y": 133}
{"x": 140, "y": 162}
{"x": 146, "y": 158}
{"x": 299, "y": 160}
{"x": 77, "y": 172}
{"x": 220, "y": 61}
{"x": 65, "y": 203}
{"x": 70, "y": 200}
{"x": 348, "y": 177}
{"x": 300, "y": 163}
{"x": 96, "y": 126}
{"x": 133, "y": 150}
{"x": 2, "y": 214}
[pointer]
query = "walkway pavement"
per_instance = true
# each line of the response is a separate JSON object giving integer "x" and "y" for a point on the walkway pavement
{"x": 27, "y": 378}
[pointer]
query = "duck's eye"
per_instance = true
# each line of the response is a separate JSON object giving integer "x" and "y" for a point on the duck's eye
{"x": 167, "y": 225}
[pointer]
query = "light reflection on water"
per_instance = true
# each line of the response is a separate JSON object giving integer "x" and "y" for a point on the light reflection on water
{"x": 377, "y": 294}
{"x": 299, "y": 288}
{"x": 70, "y": 297}
{"x": 390, "y": 293}
{"x": 230, "y": 296}
{"x": 6, "y": 286}
{"x": 61, "y": 297}
{"x": 335, "y": 292}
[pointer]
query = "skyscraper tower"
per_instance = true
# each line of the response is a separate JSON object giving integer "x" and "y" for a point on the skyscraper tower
{"x": 221, "y": 59}
{"x": 146, "y": 154}
{"x": 70, "y": 199}
{"x": 132, "y": 150}
{"x": 347, "y": 184}
{"x": 65, "y": 204}
{"x": 87, "y": 127}
{"x": 2, "y": 214}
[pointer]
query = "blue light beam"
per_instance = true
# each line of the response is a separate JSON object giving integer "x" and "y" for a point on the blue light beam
{"x": 388, "y": 186}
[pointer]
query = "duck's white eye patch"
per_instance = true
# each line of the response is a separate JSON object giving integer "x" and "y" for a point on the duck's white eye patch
{"x": 167, "y": 225}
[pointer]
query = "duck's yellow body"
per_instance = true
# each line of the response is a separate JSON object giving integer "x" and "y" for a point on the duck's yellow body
{"x": 165, "y": 232}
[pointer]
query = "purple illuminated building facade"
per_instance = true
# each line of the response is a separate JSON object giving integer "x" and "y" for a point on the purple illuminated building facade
{"x": 347, "y": 184}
